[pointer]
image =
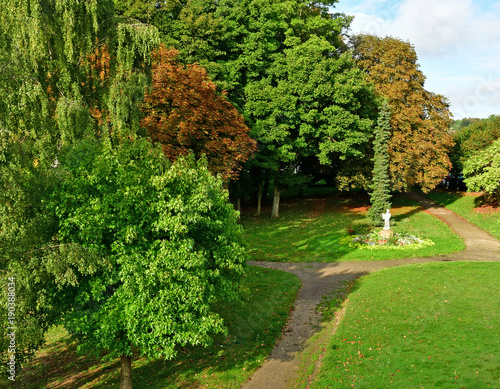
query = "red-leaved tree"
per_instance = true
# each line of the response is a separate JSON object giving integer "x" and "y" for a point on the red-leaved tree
{"x": 185, "y": 113}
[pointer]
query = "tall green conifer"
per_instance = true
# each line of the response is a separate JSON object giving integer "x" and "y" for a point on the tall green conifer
{"x": 381, "y": 184}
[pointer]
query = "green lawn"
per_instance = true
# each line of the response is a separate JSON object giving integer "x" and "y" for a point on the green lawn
{"x": 255, "y": 325}
{"x": 468, "y": 206}
{"x": 310, "y": 230}
{"x": 420, "y": 326}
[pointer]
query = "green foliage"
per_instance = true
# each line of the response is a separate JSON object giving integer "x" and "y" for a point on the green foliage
{"x": 311, "y": 104}
{"x": 473, "y": 136}
{"x": 70, "y": 71}
{"x": 101, "y": 233}
{"x": 68, "y": 67}
{"x": 482, "y": 170}
{"x": 121, "y": 273}
{"x": 281, "y": 65}
{"x": 172, "y": 254}
{"x": 381, "y": 183}
{"x": 254, "y": 324}
{"x": 144, "y": 10}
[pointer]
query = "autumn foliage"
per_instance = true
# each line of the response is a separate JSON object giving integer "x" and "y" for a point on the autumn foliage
{"x": 185, "y": 114}
{"x": 420, "y": 120}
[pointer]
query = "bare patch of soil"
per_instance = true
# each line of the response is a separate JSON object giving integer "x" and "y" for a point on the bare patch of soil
{"x": 486, "y": 209}
{"x": 359, "y": 209}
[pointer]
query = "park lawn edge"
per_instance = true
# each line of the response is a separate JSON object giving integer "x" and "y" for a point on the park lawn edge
{"x": 444, "y": 330}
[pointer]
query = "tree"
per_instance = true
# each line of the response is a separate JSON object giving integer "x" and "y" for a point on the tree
{"x": 169, "y": 256}
{"x": 101, "y": 233}
{"x": 69, "y": 70}
{"x": 185, "y": 114}
{"x": 252, "y": 49}
{"x": 381, "y": 184}
{"x": 476, "y": 136}
{"x": 420, "y": 120}
{"x": 482, "y": 171}
{"x": 141, "y": 10}
{"x": 311, "y": 103}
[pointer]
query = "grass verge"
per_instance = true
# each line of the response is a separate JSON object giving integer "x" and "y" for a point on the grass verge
{"x": 311, "y": 230}
{"x": 433, "y": 325}
{"x": 471, "y": 208}
{"x": 255, "y": 325}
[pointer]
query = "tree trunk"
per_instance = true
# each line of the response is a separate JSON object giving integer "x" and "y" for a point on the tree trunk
{"x": 238, "y": 207}
{"x": 126, "y": 372}
{"x": 259, "y": 198}
{"x": 265, "y": 192}
{"x": 276, "y": 200}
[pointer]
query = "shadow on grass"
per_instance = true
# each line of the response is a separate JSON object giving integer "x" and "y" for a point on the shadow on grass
{"x": 60, "y": 366}
{"x": 254, "y": 324}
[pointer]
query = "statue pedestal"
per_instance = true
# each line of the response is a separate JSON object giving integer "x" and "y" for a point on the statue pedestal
{"x": 386, "y": 234}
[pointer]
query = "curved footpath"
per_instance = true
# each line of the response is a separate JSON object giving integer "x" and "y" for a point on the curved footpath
{"x": 318, "y": 279}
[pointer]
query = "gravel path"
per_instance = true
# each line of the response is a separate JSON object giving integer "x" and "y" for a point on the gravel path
{"x": 318, "y": 279}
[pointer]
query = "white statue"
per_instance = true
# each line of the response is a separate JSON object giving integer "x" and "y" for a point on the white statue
{"x": 387, "y": 217}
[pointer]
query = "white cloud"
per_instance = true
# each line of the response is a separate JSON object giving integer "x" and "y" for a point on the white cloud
{"x": 434, "y": 27}
{"x": 479, "y": 97}
{"x": 457, "y": 42}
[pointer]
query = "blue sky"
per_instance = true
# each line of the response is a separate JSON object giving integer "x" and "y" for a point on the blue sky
{"x": 457, "y": 43}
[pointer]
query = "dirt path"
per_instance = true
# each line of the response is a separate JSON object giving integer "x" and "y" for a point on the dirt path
{"x": 318, "y": 279}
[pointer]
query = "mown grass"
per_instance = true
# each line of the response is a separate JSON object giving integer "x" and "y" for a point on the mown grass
{"x": 255, "y": 324}
{"x": 310, "y": 230}
{"x": 419, "y": 326}
{"x": 468, "y": 205}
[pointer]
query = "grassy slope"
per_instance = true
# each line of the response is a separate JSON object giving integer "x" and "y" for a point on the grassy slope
{"x": 464, "y": 205}
{"x": 254, "y": 327}
{"x": 309, "y": 230}
{"x": 433, "y": 325}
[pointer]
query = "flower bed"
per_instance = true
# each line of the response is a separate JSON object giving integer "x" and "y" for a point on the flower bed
{"x": 373, "y": 241}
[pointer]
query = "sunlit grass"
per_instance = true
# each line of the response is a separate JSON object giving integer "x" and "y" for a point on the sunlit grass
{"x": 431, "y": 326}
{"x": 311, "y": 229}
{"x": 467, "y": 205}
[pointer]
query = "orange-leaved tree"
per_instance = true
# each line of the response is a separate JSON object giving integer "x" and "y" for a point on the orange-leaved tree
{"x": 420, "y": 120}
{"x": 185, "y": 113}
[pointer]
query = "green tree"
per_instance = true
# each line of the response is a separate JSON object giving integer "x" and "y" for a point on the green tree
{"x": 482, "y": 171}
{"x": 310, "y": 104}
{"x": 476, "y": 136}
{"x": 281, "y": 65}
{"x": 99, "y": 231}
{"x": 381, "y": 183}
{"x": 420, "y": 120}
{"x": 69, "y": 71}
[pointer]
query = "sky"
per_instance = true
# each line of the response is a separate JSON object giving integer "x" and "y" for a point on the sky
{"x": 457, "y": 44}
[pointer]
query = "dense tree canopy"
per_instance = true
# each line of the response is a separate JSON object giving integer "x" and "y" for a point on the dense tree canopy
{"x": 101, "y": 233}
{"x": 185, "y": 114}
{"x": 281, "y": 65}
{"x": 420, "y": 120}
{"x": 69, "y": 71}
{"x": 474, "y": 137}
{"x": 311, "y": 104}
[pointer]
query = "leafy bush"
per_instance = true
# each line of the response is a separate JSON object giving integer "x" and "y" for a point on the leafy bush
{"x": 482, "y": 171}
